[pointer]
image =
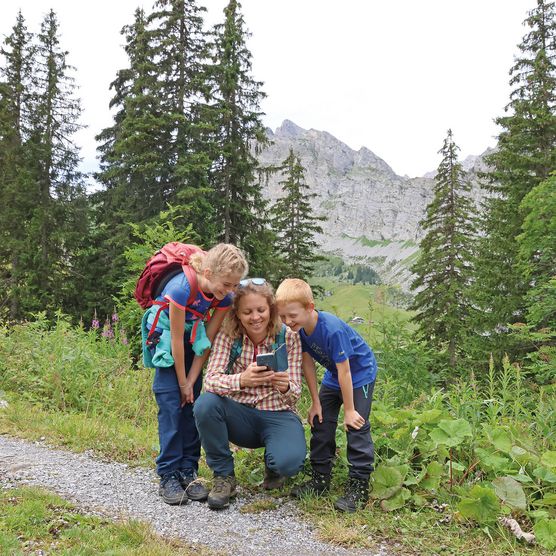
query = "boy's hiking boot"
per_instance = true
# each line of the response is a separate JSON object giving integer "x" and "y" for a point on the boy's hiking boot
{"x": 171, "y": 490}
{"x": 224, "y": 488}
{"x": 356, "y": 495}
{"x": 272, "y": 480}
{"x": 194, "y": 487}
{"x": 319, "y": 483}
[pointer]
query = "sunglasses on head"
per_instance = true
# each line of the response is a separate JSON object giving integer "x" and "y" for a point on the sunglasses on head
{"x": 254, "y": 281}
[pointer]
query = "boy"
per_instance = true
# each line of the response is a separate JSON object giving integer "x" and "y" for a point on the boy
{"x": 349, "y": 380}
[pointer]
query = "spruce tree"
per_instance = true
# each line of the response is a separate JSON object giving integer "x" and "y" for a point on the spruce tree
{"x": 294, "y": 223}
{"x": 181, "y": 48}
{"x": 59, "y": 220}
{"x": 17, "y": 189}
{"x": 444, "y": 266}
{"x": 525, "y": 156}
{"x": 237, "y": 131}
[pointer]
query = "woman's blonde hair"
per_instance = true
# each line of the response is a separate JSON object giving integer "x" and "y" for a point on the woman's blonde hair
{"x": 232, "y": 325}
{"x": 223, "y": 259}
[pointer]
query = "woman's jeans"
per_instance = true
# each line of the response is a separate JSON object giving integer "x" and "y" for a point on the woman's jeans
{"x": 180, "y": 447}
{"x": 221, "y": 420}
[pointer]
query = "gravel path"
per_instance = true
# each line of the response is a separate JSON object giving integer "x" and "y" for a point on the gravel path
{"x": 116, "y": 490}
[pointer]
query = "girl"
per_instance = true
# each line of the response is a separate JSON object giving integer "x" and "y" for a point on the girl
{"x": 218, "y": 273}
{"x": 250, "y": 405}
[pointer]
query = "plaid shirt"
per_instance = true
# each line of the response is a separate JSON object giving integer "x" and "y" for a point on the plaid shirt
{"x": 261, "y": 397}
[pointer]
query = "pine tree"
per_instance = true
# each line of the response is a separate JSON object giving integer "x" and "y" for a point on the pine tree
{"x": 444, "y": 266}
{"x": 236, "y": 131}
{"x": 17, "y": 189}
{"x": 294, "y": 223}
{"x": 59, "y": 220}
{"x": 181, "y": 49}
{"x": 525, "y": 156}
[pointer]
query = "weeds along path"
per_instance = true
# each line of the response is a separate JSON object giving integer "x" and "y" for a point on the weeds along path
{"x": 117, "y": 491}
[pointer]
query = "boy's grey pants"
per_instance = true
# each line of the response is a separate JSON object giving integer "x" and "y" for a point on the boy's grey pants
{"x": 360, "y": 448}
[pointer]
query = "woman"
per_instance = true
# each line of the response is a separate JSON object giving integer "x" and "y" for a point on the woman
{"x": 250, "y": 405}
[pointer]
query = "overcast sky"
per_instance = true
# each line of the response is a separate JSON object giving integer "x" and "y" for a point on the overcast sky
{"x": 390, "y": 75}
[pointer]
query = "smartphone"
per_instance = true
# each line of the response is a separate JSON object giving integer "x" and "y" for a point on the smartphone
{"x": 266, "y": 360}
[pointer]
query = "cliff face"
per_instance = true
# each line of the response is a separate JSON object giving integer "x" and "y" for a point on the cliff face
{"x": 373, "y": 214}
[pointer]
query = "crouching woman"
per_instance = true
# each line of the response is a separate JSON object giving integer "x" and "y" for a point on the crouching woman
{"x": 250, "y": 405}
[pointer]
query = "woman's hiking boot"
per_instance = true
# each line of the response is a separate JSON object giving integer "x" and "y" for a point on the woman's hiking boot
{"x": 224, "y": 488}
{"x": 272, "y": 480}
{"x": 319, "y": 483}
{"x": 356, "y": 495}
{"x": 193, "y": 486}
{"x": 171, "y": 490}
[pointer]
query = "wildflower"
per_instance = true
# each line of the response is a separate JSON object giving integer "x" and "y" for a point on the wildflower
{"x": 107, "y": 331}
{"x": 95, "y": 324}
{"x": 123, "y": 337}
{"x": 115, "y": 317}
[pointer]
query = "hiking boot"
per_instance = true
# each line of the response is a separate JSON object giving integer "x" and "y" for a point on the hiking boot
{"x": 224, "y": 488}
{"x": 193, "y": 486}
{"x": 171, "y": 490}
{"x": 272, "y": 479}
{"x": 356, "y": 495}
{"x": 318, "y": 484}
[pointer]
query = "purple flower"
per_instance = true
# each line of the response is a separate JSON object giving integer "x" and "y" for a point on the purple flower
{"x": 107, "y": 331}
{"x": 115, "y": 317}
{"x": 95, "y": 324}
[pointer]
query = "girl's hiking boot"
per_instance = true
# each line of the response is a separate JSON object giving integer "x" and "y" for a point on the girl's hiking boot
{"x": 356, "y": 495}
{"x": 193, "y": 486}
{"x": 224, "y": 488}
{"x": 319, "y": 483}
{"x": 171, "y": 490}
{"x": 272, "y": 480}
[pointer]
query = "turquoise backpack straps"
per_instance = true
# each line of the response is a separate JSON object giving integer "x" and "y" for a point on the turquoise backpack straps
{"x": 280, "y": 338}
{"x": 237, "y": 346}
{"x": 235, "y": 352}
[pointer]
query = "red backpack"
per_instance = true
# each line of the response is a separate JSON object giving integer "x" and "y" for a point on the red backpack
{"x": 166, "y": 263}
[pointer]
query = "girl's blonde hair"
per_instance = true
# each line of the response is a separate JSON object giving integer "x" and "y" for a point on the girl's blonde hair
{"x": 223, "y": 259}
{"x": 232, "y": 325}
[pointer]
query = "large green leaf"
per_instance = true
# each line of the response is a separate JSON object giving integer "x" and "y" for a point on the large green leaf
{"x": 491, "y": 461}
{"x": 548, "y": 499}
{"x": 431, "y": 480}
{"x": 387, "y": 481}
{"x": 548, "y": 459}
{"x": 545, "y": 533}
{"x": 451, "y": 432}
{"x": 544, "y": 475}
{"x": 481, "y": 505}
{"x": 431, "y": 416}
{"x": 510, "y": 492}
{"x": 397, "y": 501}
{"x": 522, "y": 456}
{"x": 500, "y": 439}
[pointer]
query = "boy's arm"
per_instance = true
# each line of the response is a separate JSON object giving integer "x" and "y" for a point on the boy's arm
{"x": 351, "y": 416}
{"x": 310, "y": 373}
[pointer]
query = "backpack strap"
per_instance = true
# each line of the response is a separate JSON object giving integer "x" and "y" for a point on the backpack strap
{"x": 235, "y": 352}
{"x": 280, "y": 337}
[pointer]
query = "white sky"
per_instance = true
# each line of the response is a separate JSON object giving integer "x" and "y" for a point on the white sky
{"x": 391, "y": 75}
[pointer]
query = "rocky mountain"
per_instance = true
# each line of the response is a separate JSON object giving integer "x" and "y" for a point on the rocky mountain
{"x": 373, "y": 214}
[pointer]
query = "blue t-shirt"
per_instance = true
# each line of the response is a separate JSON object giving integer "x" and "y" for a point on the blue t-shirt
{"x": 334, "y": 341}
{"x": 178, "y": 290}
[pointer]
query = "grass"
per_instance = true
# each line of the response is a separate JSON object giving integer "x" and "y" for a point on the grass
{"x": 407, "y": 532}
{"x": 34, "y": 521}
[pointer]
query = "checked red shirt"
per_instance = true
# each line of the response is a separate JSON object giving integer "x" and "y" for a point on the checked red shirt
{"x": 261, "y": 397}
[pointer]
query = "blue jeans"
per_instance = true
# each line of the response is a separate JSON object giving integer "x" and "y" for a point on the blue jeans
{"x": 180, "y": 447}
{"x": 221, "y": 420}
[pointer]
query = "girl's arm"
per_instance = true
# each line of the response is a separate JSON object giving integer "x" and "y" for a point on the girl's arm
{"x": 199, "y": 360}
{"x": 177, "y": 325}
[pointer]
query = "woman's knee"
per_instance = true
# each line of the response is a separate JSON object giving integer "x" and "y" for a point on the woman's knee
{"x": 206, "y": 406}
